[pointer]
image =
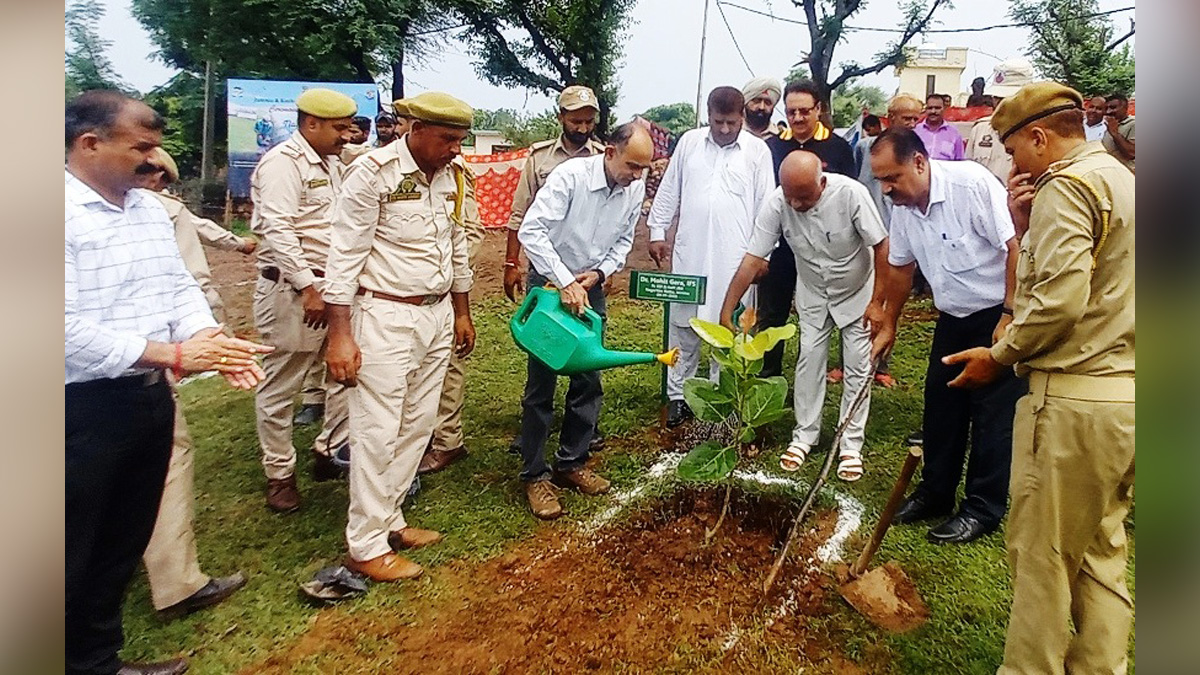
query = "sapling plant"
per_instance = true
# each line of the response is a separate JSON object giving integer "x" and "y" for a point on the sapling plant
{"x": 739, "y": 401}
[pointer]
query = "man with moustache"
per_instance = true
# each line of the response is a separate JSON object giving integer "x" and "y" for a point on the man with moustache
{"x": 761, "y": 95}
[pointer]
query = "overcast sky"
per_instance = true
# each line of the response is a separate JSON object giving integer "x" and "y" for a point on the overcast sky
{"x": 662, "y": 49}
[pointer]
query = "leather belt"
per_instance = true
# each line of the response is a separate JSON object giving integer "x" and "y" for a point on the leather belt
{"x": 139, "y": 381}
{"x": 1111, "y": 388}
{"x": 272, "y": 273}
{"x": 408, "y": 300}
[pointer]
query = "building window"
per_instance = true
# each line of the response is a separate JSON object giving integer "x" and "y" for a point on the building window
{"x": 930, "y": 85}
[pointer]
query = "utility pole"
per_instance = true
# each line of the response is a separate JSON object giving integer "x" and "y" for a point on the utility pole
{"x": 206, "y": 142}
{"x": 700, "y": 75}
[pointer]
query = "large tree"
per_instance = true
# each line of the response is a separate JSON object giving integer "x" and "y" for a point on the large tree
{"x": 849, "y": 100}
{"x": 1070, "y": 44}
{"x": 87, "y": 64}
{"x": 674, "y": 117}
{"x": 547, "y": 45}
{"x": 826, "y": 21}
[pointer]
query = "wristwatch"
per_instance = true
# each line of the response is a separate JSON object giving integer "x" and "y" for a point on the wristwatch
{"x": 602, "y": 277}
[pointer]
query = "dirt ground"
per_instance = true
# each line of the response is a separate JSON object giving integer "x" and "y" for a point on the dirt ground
{"x": 234, "y": 275}
{"x": 627, "y": 599}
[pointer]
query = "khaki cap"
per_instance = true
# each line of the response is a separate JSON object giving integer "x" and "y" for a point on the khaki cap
{"x": 400, "y": 107}
{"x": 577, "y": 96}
{"x": 164, "y": 159}
{"x": 434, "y": 107}
{"x": 326, "y": 104}
{"x": 1031, "y": 103}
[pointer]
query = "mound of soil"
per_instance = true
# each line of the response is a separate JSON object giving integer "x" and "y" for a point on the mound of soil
{"x": 628, "y": 598}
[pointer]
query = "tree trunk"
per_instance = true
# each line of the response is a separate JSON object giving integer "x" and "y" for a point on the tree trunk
{"x": 398, "y": 77}
{"x": 602, "y": 123}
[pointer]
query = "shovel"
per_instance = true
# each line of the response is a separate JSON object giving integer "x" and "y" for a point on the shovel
{"x": 885, "y": 595}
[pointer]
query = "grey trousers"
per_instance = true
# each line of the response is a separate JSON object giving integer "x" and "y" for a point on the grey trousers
{"x": 582, "y": 410}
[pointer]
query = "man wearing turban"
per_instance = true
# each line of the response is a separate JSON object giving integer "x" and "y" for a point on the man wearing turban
{"x": 761, "y": 94}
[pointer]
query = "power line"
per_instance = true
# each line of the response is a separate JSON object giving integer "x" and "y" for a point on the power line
{"x": 734, "y": 38}
{"x": 875, "y": 29}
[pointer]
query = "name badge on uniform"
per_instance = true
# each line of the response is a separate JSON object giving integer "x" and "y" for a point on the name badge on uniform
{"x": 318, "y": 182}
{"x": 405, "y": 191}
{"x": 986, "y": 141}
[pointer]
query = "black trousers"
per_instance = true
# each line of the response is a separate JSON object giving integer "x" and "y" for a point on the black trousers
{"x": 580, "y": 414}
{"x": 776, "y": 297}
{"x": 953, "y": 417}
{"x": 118, "y": 445}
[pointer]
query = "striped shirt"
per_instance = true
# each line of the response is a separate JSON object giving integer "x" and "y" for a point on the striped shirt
{"x": 125, "y": 283}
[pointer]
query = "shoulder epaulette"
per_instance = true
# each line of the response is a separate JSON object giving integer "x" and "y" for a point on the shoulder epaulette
{"x": 542, "y": 144}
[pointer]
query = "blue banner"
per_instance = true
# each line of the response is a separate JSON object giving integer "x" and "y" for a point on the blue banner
{"x": 263, "y": 113}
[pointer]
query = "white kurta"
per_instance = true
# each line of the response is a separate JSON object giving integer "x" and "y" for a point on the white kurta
{"x": 716, "y": 191}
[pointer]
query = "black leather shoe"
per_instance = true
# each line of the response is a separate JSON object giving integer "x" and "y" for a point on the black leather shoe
{"x": 173, "y": 667}
{"x": 917, "y": 507}
{"x": 960, "y": 529}
{"x": 515, "y": 446}
{"x": 309, "y": 413}
{"x": 212, "y": 593}
{"x": 596, "y": 445}
{"x": 916, "y": 438}
{"x": 678, "y": 412}
{"x": 335, "y": 467}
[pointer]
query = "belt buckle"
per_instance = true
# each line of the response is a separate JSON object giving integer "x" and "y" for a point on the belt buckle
{"x": 429, "y": 300}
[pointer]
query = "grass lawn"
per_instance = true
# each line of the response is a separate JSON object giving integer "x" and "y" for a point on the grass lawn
{"x": 479, "y": 506}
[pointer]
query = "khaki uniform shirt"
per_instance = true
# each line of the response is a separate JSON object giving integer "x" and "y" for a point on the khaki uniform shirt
{"x": 1125, "y": 128}
{"x": 984, "y": 146}
{"x": 192, "y": 232}
{"x": 543, "y": 157}
{"x": 395, "y": 232}
{"x": 1070, "y": 316}
{"x": 293, "y": 189}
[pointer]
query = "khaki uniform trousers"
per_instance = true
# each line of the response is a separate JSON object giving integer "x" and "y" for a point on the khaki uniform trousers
{"x": 448, "y": 432}
{"x": 170, "y": 557}
{"x": 405, "y": 352}
{"x": 312, "y": 392}
{"x": 1072, "y": 486}
{"x": 279, "y": 317}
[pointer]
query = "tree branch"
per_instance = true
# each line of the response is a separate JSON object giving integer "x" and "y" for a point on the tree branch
{"x": 910, "y": 31}
{"x": 1123, "y": 38}
{"x": 539, "y": 43}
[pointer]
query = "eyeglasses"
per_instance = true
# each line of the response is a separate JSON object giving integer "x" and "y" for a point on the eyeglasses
{"x": 802, "y": 112}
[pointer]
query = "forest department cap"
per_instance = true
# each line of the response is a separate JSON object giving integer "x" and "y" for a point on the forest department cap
{"x": 434, "y": 107}
{"x": 326, "y": 104}
{"x": 400, "y": 107}
{"x": 1031, "y": 103}
{"x": 1009, "y": 76}
{"x": 577, "y": 96}
{"x": 164, "y": 160}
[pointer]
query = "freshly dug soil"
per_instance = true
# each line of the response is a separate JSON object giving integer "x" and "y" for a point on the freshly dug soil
{"x": 635, "y": 597}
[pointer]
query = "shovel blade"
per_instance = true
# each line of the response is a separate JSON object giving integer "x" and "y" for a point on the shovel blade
{"x": 888, "y": 598}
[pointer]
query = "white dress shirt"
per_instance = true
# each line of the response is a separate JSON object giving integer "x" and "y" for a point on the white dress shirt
{"x": 1094, "y": 133}
{"x": 717, "y": 192}
{"x": 961, "y": 243}
{"x": 835, "y": 266}
{"x": 125, "y": 283}
{"x": 576, "y": 223}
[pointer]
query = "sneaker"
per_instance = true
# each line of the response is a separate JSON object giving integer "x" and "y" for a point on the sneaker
{"x": 583, "y": 479}
{"x": 543, "y": 500}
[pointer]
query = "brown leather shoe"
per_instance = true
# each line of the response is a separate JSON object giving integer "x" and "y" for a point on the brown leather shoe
{"x": 413, "y": 537}
{"x": 387, "y": 567}
{"x": 583, "y": 479}
{"x": 282, "y": 495}
{"x": 543, "y": 500}
{"x": 436, "y": 460}
{"x": 172, "y": 667}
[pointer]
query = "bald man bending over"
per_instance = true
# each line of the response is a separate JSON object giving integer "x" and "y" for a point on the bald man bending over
{"x": 838, "y": 239}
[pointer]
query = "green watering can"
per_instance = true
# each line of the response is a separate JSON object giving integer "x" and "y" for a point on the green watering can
{"x": 570, "y": 344}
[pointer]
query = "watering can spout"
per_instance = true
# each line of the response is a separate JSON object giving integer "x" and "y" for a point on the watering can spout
{"x": 570, "y": 344}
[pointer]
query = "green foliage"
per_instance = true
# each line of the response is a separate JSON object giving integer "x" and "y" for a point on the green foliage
{"x": 87, "y": 64}
{"x": 850, "y": 99}
{"x": 521, "y": 129}
{"x": 181, "y": 103}
{"x": 674, "y": 117}
{"x": 547, "y": 45}
{"x": 1076, "y": 49}
{"x": 739, "y": 400}
{"x": 798, "y": 72}
{"x": 709, "y": 461}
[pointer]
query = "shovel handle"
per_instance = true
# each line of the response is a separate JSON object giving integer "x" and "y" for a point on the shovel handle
{"x": 885, "y": 520}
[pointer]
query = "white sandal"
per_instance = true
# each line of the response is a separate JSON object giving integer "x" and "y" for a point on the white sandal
{"x": 794, "y": 456}
{"x": 850, "y": 468}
